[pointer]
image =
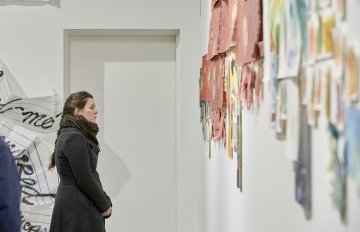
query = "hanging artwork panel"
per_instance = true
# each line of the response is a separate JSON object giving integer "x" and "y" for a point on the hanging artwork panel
{"x": 248, "y": 31}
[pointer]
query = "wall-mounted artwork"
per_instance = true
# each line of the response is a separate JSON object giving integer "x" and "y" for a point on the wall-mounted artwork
{"x": 316, "y": 5}
{"x": 339, "y": 176}
{"x": 313, "y": 33}
{"x": 337, "y": 107}
{"x": 218, "y": 99}
{"x": 352, "y": 151}
{"x": 30, "y": 2}
{"x": 292, "y": 119}
{"x": 340, "y": 7}
{"x": 303, "y": 165}
{"x": 233, "y": 106}
{"x": 313, "y": 78}
{"x": 352, "y": 75}
{"x": 206, "y": 122}
{"x": 328, "y": 76}
{"x": 205, "y": 80}
{"x": 273, "y": 87}
{"x": 323, "y": 3}
{"x": 213, "y": 2}
{"x": 248, "y": 30}
{"x": 290, "y": 45}
{"x": 214, "y": 32}
{"x": 281, "y": 111}
{"x": 229, "y": 11}
{"x": 338, "y": 40}
{"x": 231, "y": 74}
{"x": 327, "y": 19}
{"x": 218, "y": 124}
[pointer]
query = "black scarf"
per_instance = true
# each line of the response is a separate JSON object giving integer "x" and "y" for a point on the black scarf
{"x": 89, "y": 129}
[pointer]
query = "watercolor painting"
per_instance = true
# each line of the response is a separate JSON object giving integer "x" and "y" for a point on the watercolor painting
{"x": 340, "y": 7}
{"x": 337, "y": 105}
{"x": 290, "y": 47}
{"x": 313, "y": 35}
{"x": 351, "y": 75}
{"x": 327, "y": 20}
{"x": 338, "y": 39}
{"x": 337, "y": 168}
{"x": 303, "y": 181}
{"x": 352, "y": 147}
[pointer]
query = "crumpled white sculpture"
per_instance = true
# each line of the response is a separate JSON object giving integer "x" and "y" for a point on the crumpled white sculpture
{"x": 28, "y": 126}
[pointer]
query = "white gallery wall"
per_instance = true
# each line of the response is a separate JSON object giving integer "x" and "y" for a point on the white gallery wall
{"x": 267, "y": 202}
{"x": 32, "y": 47}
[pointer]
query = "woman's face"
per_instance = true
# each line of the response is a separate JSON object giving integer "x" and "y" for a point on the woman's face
{"x": 89, "y": 112}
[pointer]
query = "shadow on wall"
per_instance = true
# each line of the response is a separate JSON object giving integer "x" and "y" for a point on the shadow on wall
{"x": 115, "y": 173}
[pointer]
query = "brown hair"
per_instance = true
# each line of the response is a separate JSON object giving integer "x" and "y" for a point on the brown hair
{"x": 75, "y": 100}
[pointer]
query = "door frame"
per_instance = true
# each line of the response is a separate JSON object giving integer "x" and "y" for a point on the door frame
{"x": 68, "y": 33}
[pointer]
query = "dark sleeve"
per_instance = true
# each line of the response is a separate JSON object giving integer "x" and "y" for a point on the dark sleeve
{"x": 108, "y": 198}
{"x": 97, "y": 177}
{"x": 10, "y": 191}
{"x": 75, "y": 149}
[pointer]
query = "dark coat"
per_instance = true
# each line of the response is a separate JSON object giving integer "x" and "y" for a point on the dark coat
{"x": 80, "y": 198}
{"x": 9, "y": 191}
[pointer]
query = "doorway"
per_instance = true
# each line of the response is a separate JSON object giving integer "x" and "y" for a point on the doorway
{"x": 132, "y": 76}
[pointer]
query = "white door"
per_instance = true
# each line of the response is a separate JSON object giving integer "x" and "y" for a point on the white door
{"x": 132, "y": 79}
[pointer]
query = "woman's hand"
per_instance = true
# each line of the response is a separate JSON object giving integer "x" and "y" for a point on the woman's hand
{"x": 107, "y": 213}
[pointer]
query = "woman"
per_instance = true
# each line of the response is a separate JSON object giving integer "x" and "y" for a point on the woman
{"x": 81, "y": 205}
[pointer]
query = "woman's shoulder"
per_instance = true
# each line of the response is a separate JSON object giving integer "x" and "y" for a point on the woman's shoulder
{"x": 72, "y": 133}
